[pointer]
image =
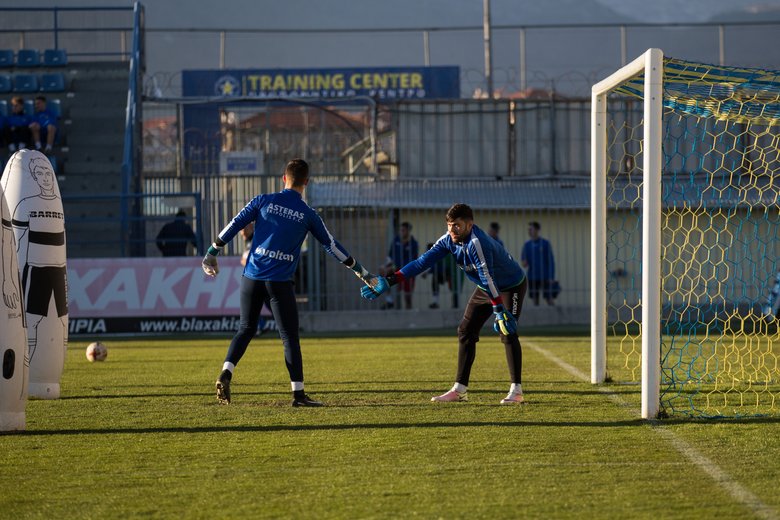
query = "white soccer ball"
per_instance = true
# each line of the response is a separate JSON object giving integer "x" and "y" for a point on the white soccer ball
{"x": 97, "y": 351}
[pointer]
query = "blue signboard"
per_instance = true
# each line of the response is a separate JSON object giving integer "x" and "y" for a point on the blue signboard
{"x": 383, "y": 83}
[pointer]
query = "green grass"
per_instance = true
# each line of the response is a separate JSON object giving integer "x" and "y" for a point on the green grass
{"x": 141, "y": 436}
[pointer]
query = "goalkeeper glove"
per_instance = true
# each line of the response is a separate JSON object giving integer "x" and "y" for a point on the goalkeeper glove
{"x": 373, "y": 290}
{"x": 505, "y": 323}
{"x": 375, "y": 285}
{"x": 209, "y": 263}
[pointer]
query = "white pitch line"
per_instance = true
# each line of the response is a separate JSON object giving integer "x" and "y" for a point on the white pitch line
{"x": 723, "y": 479}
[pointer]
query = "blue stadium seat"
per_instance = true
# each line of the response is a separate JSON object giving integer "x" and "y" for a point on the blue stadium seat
{"x": 28, "y": 58}
{"x": 3, "y": 108}
{"x": 55, "y": 107}
{"x": 54, "y": 82}
{"x": 29, "y": 107}
{"x": 6, "y": 58}
{"x": 55, "y": 58}
{"x": 25, "y": 83}
{"x": 5, "y": 83}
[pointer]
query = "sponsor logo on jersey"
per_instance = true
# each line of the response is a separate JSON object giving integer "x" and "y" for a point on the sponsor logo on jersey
{"x": 46, "y": 214}
{"x": 276, "y": 255}
{"x": 282, "y": 211}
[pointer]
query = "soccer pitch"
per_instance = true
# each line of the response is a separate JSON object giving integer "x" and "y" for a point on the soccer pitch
{"x": 142, "y": 435}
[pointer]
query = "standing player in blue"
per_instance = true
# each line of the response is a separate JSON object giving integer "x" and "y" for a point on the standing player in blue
{"x": 282, "y": 221}
{"x": 499, "y": 279}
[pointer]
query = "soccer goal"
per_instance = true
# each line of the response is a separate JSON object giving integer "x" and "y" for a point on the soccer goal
{"x": 685, "y": 236}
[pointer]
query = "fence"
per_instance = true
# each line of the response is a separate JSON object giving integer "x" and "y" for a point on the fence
{"x": 364, "y": 214}
{"x": 566, "y": 58}
{"x": 411, "y": 139}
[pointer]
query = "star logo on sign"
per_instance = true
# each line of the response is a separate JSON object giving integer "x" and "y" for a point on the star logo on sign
{"x": 227, "y": 86}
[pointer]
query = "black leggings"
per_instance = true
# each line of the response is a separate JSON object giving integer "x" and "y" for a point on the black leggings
{"x": 478, "y": 310}
{"x": 281, "y": 298}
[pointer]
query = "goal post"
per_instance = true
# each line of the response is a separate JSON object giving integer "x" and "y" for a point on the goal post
{"x": 651, "y": 65}
{"x": 685, "y": 236}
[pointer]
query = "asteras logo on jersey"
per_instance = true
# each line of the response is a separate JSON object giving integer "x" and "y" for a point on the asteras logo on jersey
{"x": 227, "y": 86}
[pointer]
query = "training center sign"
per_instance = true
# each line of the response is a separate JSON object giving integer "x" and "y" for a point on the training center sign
{"x": 383, "y": 83}
{"x": 152, "y": 295}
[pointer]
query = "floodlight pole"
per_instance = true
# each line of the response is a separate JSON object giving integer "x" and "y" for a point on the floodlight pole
{"x": 488, "y": 44}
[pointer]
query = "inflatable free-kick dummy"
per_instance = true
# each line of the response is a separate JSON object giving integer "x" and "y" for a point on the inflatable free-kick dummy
{"x": 33, "y": 198}
{"x": 13, "y": 338}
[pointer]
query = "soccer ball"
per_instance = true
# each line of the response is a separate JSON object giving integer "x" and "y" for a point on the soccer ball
{"x": 97, "y": 352}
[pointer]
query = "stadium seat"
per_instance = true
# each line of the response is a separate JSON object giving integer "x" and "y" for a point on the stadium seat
{"x": 3, "y": 108}
{"x": 6, "y": 58}
{"x": 5, "y": 83}
{"x": 29, "y": 107}
{"x": 55, "y": 107}
{"x": 55, "y": 58}
{"x": 54, "y": 82}
{"x": 25, "y": 83}
{"x": 28, "y": 58}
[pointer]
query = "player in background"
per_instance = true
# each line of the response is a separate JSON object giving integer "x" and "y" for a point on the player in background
{"x": 499, "y": 279}
{"x": 281, "y": 223}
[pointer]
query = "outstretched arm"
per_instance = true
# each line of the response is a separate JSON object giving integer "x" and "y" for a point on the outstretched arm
{"x": 412, "y": 269}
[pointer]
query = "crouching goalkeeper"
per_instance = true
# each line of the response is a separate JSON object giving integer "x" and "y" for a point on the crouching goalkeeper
{"x": 501, "y": 286}
{"x": 282, "y": 221}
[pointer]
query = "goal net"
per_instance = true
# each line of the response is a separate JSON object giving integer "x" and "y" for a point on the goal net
{"x": 685, "y": 236}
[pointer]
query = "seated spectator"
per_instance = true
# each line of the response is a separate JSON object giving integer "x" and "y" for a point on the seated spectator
{"x": 17, "y": 126}
{"x": 175, "y": 236}
{"x": 44, "y": 125}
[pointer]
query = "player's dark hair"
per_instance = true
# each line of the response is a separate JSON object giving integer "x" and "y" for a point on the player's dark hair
{"x": 460, "y": 211}
{"x": 39, "y": 97}
{"x": 535, "y": 225}
{"x": 494, "y": 225}
{"x": 298, "y": 170}
{"x": 406, "y": 225}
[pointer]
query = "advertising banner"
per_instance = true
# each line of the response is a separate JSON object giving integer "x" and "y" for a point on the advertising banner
{"x": 152, "y": 295}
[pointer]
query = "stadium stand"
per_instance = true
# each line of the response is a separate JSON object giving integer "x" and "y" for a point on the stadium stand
{"x": 55, "y": 58}
{"x": 6, "y": 58}
{"x": 5, "y": 83}
{"x": 3, "y": 108}
{"x": 28, "y": 58}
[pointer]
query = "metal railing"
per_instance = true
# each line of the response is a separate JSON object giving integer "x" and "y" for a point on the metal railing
{"x": 45, "y": 27}
{"x": 525, "y": 61}
{"x": 133, "y": 155}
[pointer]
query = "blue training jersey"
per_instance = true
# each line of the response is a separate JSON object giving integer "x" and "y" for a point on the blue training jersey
{"x": 282, "y": 221}
{"x": 45, "y": 118}
{"x": 485, "y": 262}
